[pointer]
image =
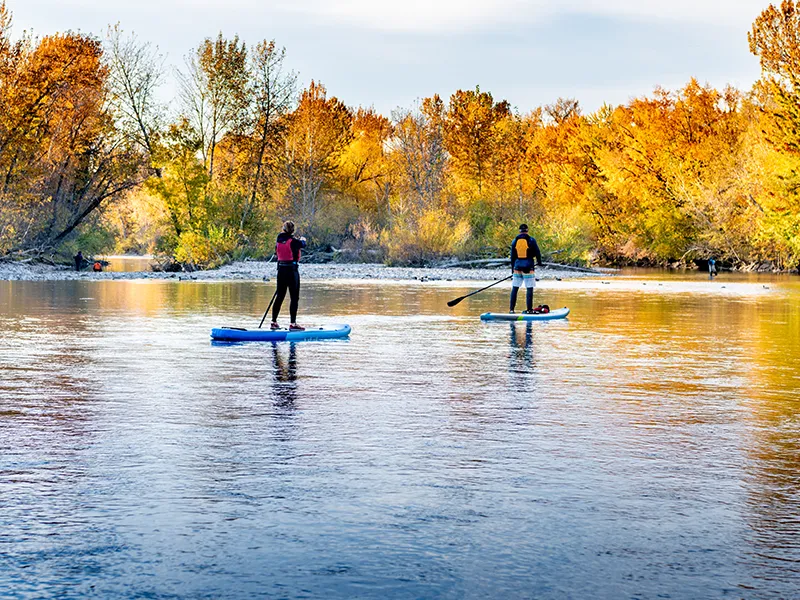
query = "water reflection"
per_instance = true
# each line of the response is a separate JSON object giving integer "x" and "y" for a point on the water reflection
{"x": 521, "y": 363}
{"x": 773, "y": 472}
{"x": 648, "y": 447}
{"x": 285, "y": 365}
{"x": 522, "y": 339}
{"x": 129, "y": 263}
{"x": 773, "y": 505}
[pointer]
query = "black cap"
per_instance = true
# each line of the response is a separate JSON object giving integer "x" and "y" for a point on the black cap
{"x": 523, "y": 227}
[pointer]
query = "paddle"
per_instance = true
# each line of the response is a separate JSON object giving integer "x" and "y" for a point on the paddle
{"x": 457, "y": 300}
{"x": 271, "y": 301}
{"x": 268, "y": 307}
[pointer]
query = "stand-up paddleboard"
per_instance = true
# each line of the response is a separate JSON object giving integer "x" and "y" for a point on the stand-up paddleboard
{"x": 235, "y": 334}
{"x": 558, "y": 313}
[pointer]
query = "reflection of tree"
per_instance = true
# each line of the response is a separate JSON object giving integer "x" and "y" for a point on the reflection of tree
{"x": 52, "y": 426}
{"x": 773, "y": 500}
{"x": 773, "y": 484}
{"x": 772, "y": 507}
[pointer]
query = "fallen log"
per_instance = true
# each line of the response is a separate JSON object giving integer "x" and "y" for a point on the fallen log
{"x": 571, "y": 268}
{"x": 484, "y": 261}
{"x": 498, "y": 262}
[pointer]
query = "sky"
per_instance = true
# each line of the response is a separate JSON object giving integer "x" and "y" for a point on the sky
{"x": 388, "y": 53}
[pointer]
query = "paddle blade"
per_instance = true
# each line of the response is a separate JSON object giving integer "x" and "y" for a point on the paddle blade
{"x": 456, "y": 301}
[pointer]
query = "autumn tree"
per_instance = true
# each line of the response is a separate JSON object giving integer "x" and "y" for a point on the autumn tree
{"x": 182, "y": 186}
{"x": 668, "y": 164}
{"x": 471, "y": 134}
{"x": 365, "y": 170}
{"x": 517, "y": 185}
{"x": 318, "y": 131}
{"x": 214, "y": 92}
{"x": 423, "y": 224}
{"x": 547, "y": 160}
{"x": 61, "y": 157}
{"x": 136, "y": 71}
{"x": 775, "y": 40}
{"x": 671, "y": 176}
{"x": 272, "y": 97}
{"x": 6, "y": 44}
{"x": 562, "y": 110}
{"x": 418, "y": 146}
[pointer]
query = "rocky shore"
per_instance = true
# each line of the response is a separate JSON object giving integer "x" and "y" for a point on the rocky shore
{"x": 259, "y": 270}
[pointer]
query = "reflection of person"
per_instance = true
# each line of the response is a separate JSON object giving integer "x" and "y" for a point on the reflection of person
{"x": 527, "y": 340}
{"x": 78, "y": 260}
{"x": 285, "y": 374}
{"x": 712, "y": 268}
{"x": 287, "y": 250}
{"x": 525, "y": 255}
{"x": 521, "y": 358}
{"x": 285, "y": 371}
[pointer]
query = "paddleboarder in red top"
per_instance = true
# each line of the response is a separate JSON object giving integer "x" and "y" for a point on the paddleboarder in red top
{"x": 287, "y": 250}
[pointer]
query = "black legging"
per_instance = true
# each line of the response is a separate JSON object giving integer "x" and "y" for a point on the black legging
{"x": 288, "y": 278}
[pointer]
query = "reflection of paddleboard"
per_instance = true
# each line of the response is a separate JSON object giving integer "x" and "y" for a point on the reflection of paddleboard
{"x": 233, "y": 334}
{"x": 558, "y": 313}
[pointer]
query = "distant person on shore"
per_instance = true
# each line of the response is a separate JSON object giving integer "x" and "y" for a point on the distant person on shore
{"x": 525, "y": 256}
{"x": 287, "y": 250}
{"x": 712, "y": 268}
{"x": 78, "y": 260}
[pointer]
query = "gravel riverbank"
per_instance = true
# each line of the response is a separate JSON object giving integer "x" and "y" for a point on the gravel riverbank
{"x": 259, "y": 270}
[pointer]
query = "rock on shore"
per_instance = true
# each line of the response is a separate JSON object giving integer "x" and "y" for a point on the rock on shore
{"x": 258, "y": 270}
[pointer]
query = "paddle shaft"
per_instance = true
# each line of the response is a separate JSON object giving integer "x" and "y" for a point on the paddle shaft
{"x": 457, "y": 300}
{"x": 268, "y": 307}
{"x": 271, "y": 301}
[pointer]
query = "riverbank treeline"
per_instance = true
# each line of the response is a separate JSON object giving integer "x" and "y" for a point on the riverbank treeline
{"x": 90, "y": 158}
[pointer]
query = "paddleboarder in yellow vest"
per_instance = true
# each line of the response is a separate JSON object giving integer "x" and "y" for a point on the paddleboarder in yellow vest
{"x": 525, "y": 256}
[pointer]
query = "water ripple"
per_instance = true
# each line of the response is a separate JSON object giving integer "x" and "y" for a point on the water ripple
{"x": 647, "y": 447}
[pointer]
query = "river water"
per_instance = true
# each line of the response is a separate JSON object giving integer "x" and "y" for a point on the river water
{"x": 647, "y": 447}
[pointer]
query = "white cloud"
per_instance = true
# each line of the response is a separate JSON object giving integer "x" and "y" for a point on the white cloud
{"x": 410, "y": 16}
{"x": 728, "y": 12}
{"x": 388, "y": 52}
{"x": 430, "y": 16}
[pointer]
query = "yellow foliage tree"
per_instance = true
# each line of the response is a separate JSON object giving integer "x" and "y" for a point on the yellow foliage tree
{"x": 318, "y": 132}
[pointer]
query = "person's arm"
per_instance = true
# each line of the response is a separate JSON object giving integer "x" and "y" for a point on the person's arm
{"x": 536, "y": 252}
{"x": 297, "y": 245}
{"x": 513, "y": 254}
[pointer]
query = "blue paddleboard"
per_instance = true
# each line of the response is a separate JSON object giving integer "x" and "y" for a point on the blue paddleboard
{"x": 234, "y": 334}
{"x": 558, "y": 313}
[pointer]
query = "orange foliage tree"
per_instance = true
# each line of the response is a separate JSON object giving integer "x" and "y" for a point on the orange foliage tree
{"x": 318, "y": 132}
{"x": 61, "y": 157}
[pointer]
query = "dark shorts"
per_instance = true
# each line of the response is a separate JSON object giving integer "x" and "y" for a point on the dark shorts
{"x": 524, "y": 266}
